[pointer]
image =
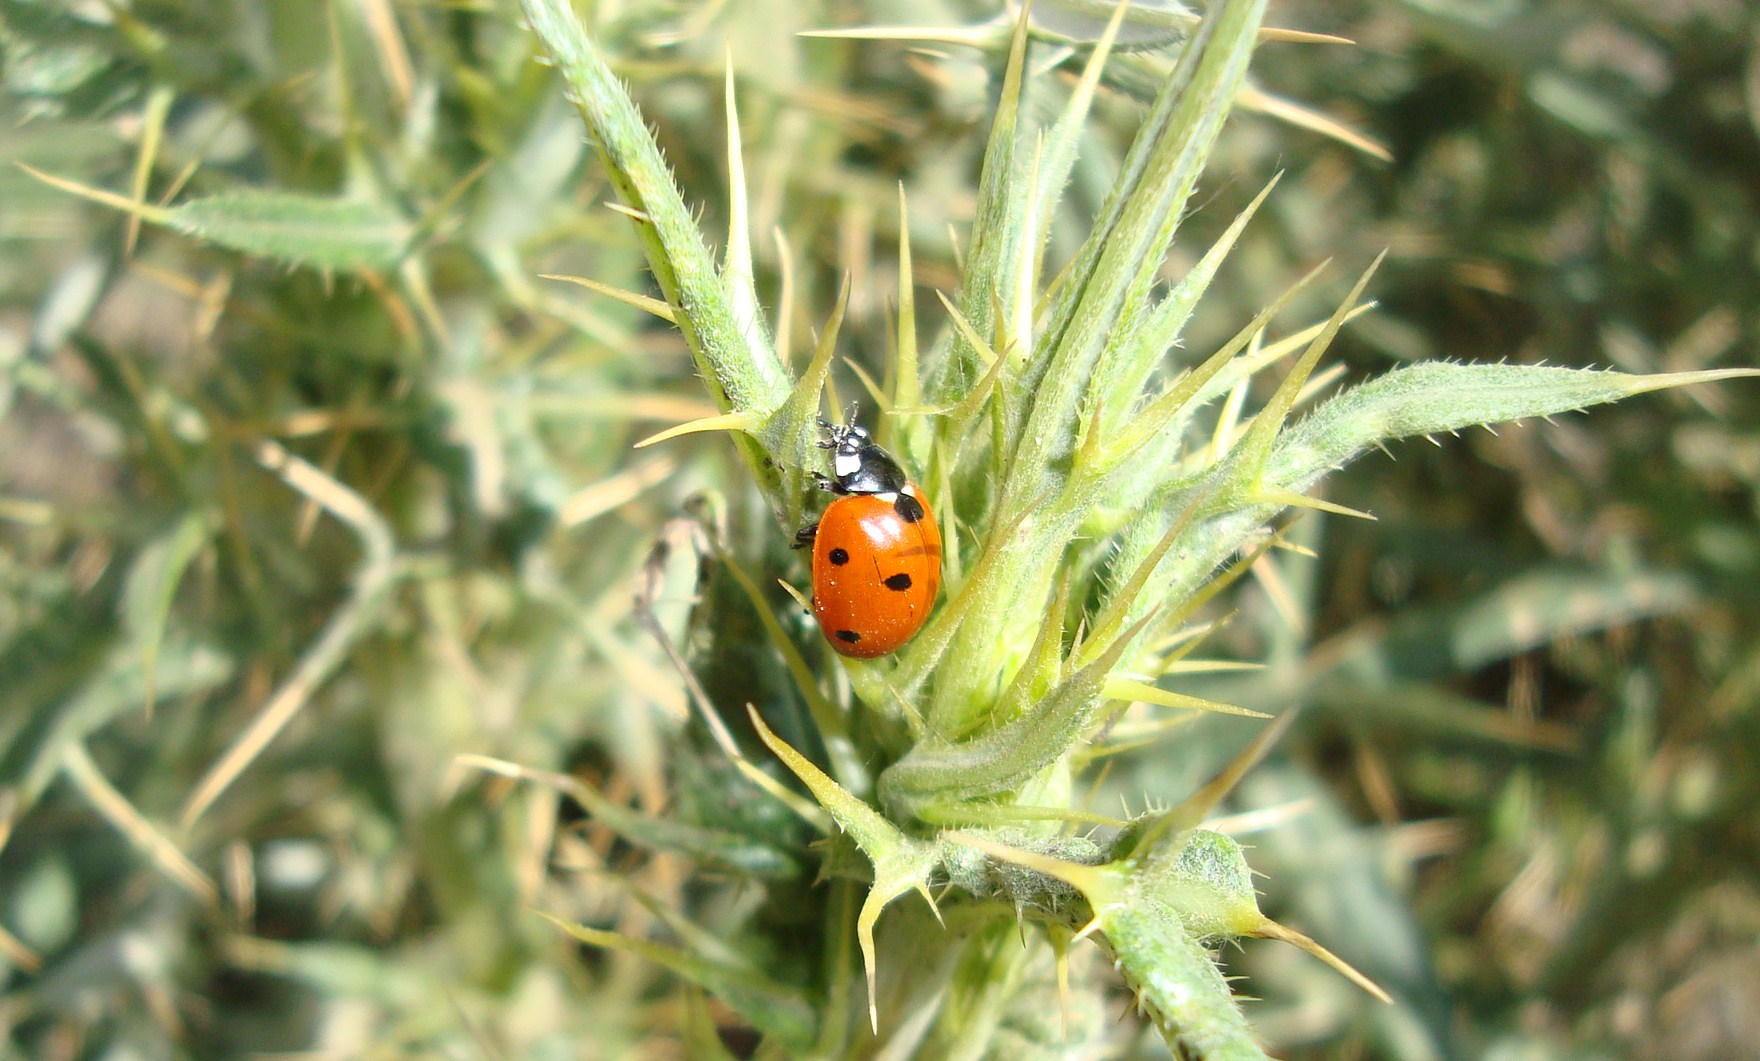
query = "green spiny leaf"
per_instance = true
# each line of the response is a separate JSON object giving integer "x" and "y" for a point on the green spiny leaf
{"x": 738, "y": 364}
{"x": 325, "y": 233}
{"x": 1444, "y": 396}
{"x": 341, "y": 234}
{"x": 1006, "y": 757}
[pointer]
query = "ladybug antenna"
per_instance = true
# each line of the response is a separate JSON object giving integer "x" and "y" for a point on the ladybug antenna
{"x": 849, "y": 415}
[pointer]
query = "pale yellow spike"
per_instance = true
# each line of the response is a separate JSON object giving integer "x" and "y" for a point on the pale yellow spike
{"x": 868, "y": 384}
{"x": 152, "y": 136}
{"x": 817, "y": 382}
{"x": 613, "y": 491}
{"x": 913, "y": 719}
{"x": 1300, "y": 36}
{"x": 1295, "y": 500}
{"x": 865, "y": 920}
{"x": 969, "y": 333}
{"x": 1293, "y": 113}
{"x": 629, "y": 298}
{"x": 966, "y": 411}
{"x": 736, "y": 265}
{"x": 1197, "y": 806}
{"x": 934, "y": 907}
{"x": 723, "y": 422}
{"x": 1292, "y": 547}
{"x": 784, "y": 297}
{"x": 83, "y": 773}
{"x": 1131, "y": 737}
{"x": 831, "y": 723}
{"x": 1276, "y": 589}
{"x": 1320, "y": 381}
{"x": 800, "y": 598}
{"x": 1125, "y": 689}
{"x": 1255, "y": 444}
{"x": 907, "y": 385}
{"x": 629, "y": 211}
{"x": 924, "y": 410}
{"x": 1272, "y": 930}
{"x": 1275, "y": 351}
{"x": 1261, "y": 354}
{"x": 970, "y": 36}
{"x": 1258, "y": 821}
{"x": 1188, "y": 638}
{"x": 1208, "y": 666}
{"x": 808, "y": 811}
{"x": 133, "y": 208}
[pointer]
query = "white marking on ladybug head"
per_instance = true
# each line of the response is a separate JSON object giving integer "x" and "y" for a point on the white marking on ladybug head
{"x": 846, "y": 464}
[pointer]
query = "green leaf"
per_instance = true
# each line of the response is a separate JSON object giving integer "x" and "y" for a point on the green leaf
{"x": 1445, "y": 396}
{"x": 152, "y": 586}
{"x": 734, "y": 355}
{"x": 326, "y": 233}
{"x": 340, "y": 234}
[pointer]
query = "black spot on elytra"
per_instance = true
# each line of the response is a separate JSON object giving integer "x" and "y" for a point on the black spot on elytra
{"x": 848, "y": 637}
{"x": 908, "y": 508}
{"x": 900, "y": 581}
{"x": 838, "y": 557}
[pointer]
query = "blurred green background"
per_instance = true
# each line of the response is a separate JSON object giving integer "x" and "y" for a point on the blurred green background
{"x": 1529, "y": 762}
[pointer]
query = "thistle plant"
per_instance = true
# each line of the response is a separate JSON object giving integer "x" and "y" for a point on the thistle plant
{"x": 1096, "y": 488}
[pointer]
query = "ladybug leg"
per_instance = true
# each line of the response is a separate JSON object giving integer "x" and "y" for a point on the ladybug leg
{"x": 824, "y": 483}
{"x": 803, "y": 538}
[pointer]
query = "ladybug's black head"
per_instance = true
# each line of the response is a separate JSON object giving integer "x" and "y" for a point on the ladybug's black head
{"x": 858, "y": 465}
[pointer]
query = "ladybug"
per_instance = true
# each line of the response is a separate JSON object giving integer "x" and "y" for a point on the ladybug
{"x": 876, "y": 549}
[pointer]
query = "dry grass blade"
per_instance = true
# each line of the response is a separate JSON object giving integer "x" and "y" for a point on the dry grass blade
{"x": 83, "y": 773}
{"x": 373, "y": 579}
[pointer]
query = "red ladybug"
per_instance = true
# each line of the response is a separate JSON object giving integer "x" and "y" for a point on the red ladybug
{"x": 876, "y": 550}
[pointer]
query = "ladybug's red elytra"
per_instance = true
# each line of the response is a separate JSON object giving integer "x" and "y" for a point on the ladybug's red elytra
{"x": 876, "y": 550}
